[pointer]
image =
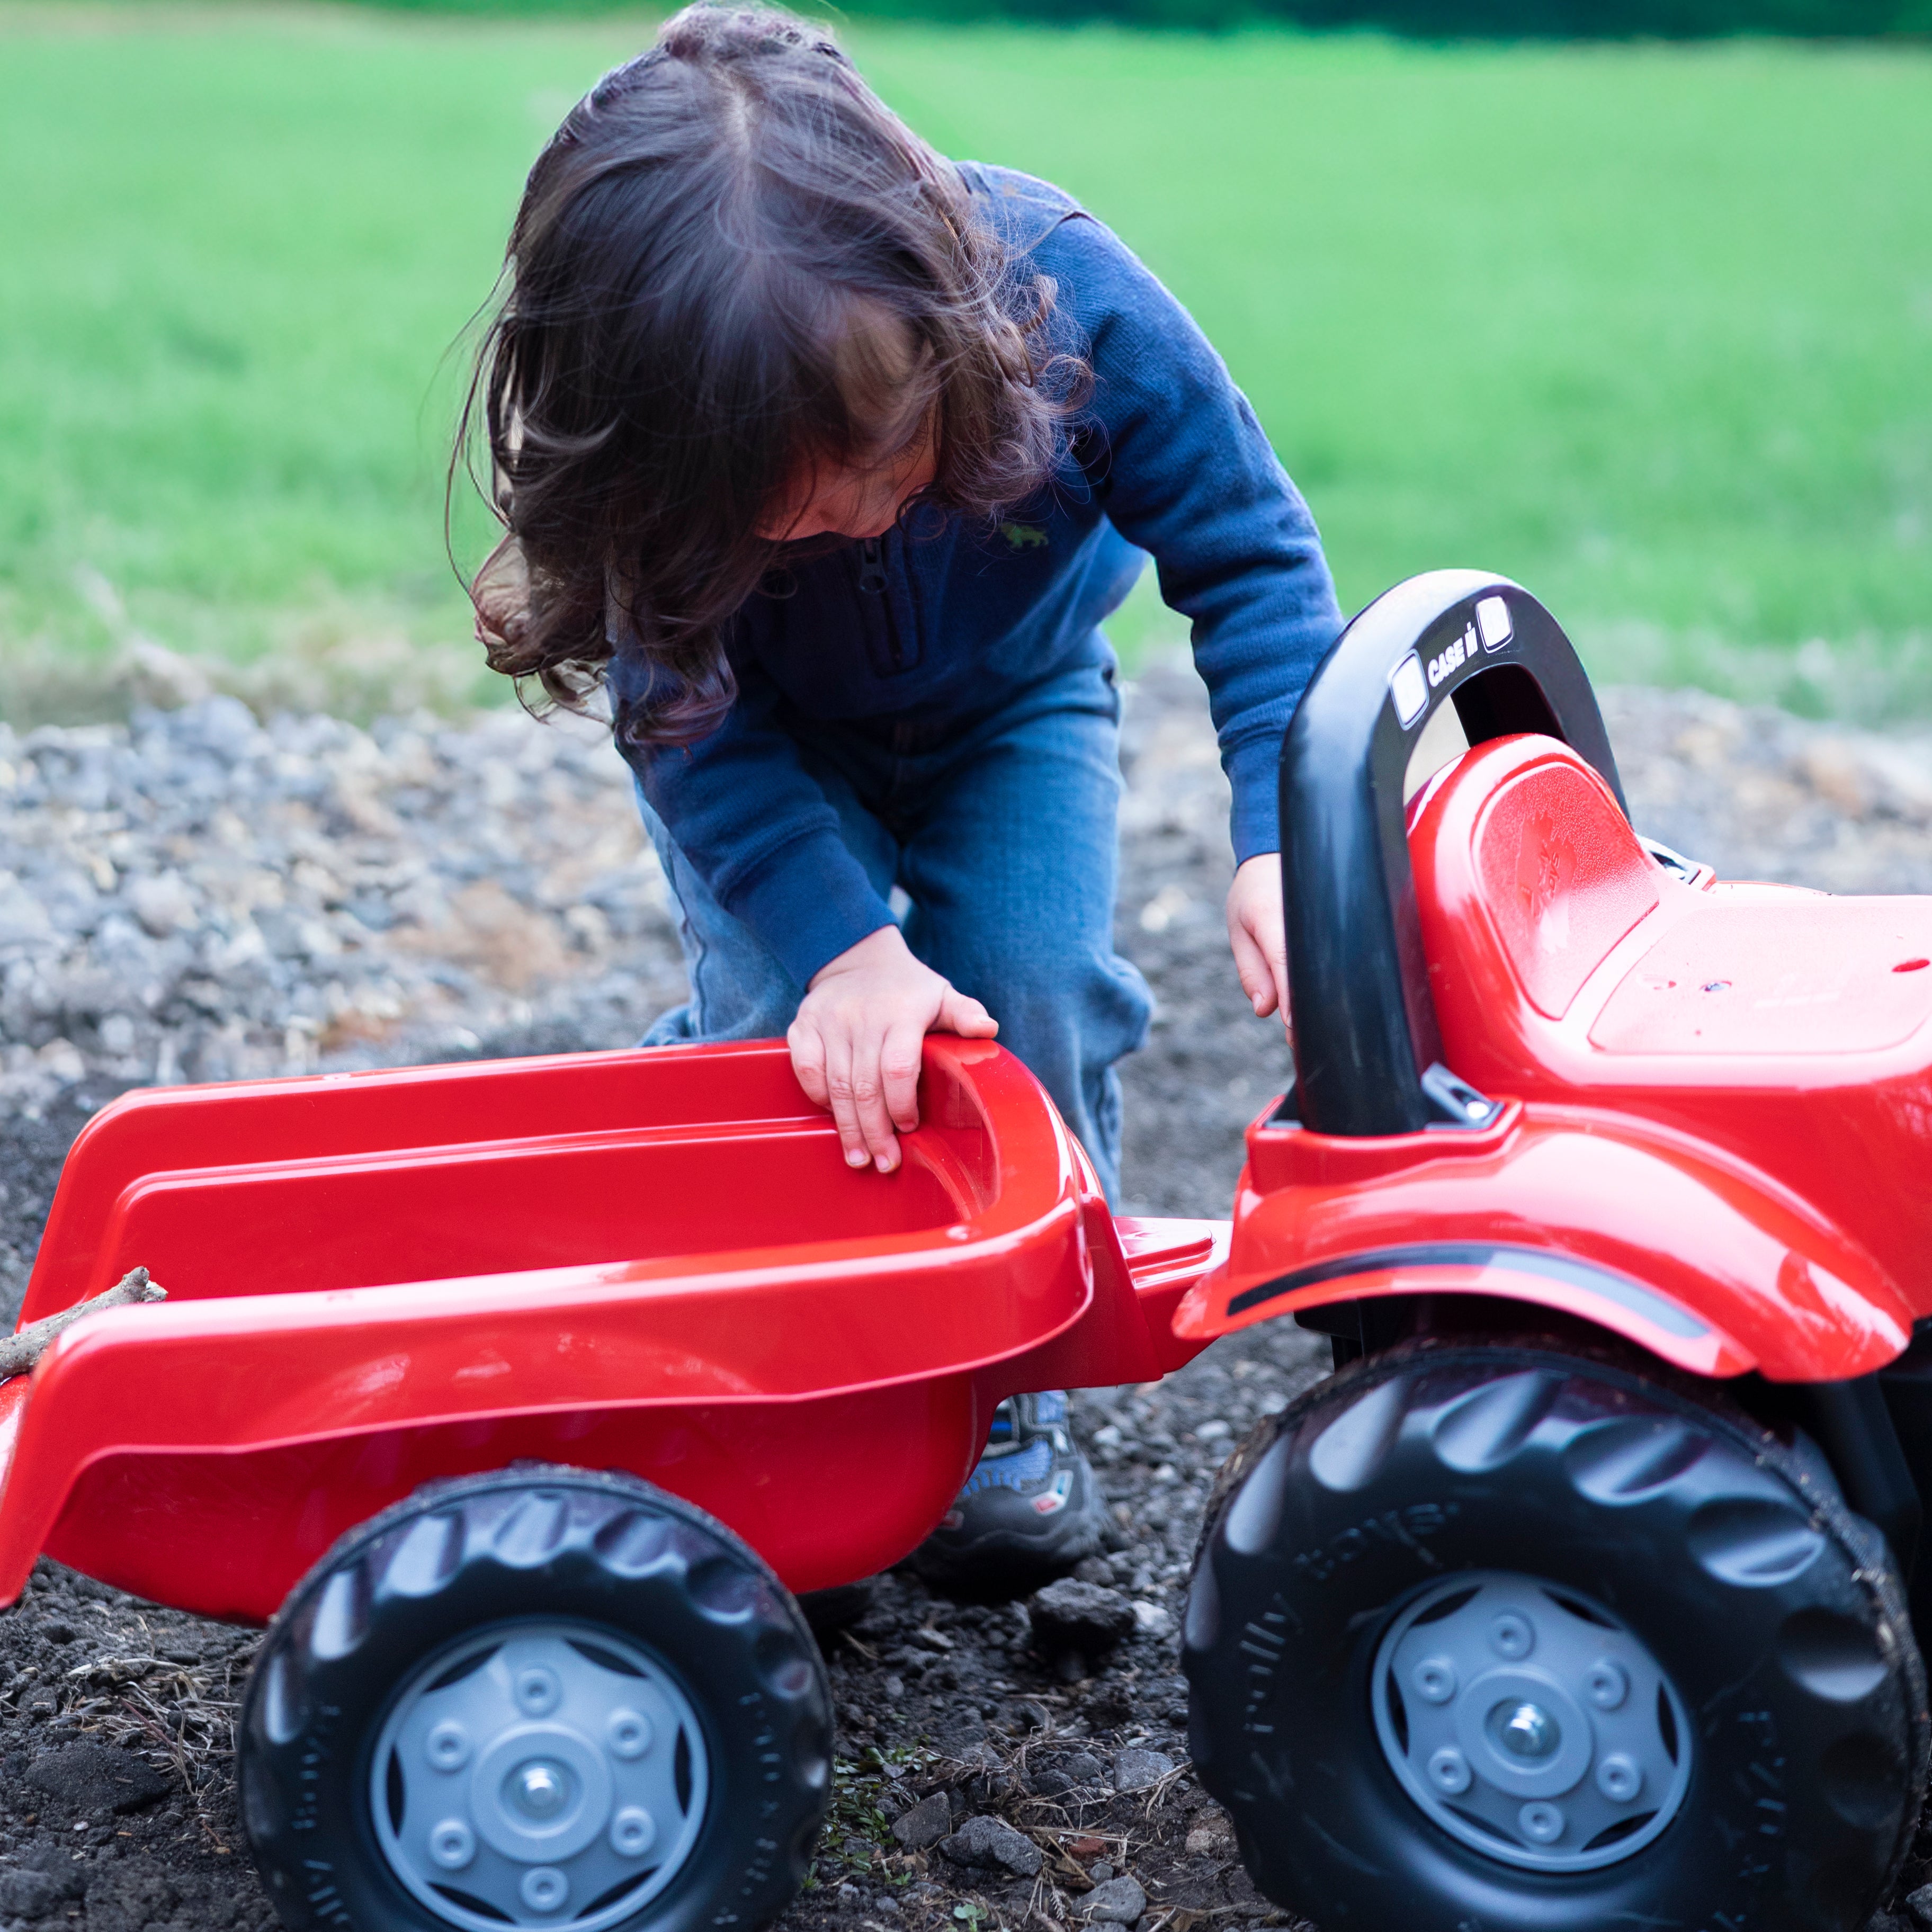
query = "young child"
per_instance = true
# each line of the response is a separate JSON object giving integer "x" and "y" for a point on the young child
{"x": 828, "y": 456}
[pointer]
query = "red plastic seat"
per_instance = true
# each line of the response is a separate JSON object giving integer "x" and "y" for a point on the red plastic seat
{"x": 1568, "y": 965}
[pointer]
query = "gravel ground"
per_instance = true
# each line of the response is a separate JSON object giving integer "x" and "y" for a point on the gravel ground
{"x": 199, "y": 897}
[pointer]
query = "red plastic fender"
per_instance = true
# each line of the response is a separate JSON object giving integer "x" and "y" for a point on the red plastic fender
{"x": 1646, "y": 1231}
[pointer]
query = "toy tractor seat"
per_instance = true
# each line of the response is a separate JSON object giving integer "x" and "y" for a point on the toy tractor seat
{"x": 1506, "y": 936}
{"x": 1531, "y": 887}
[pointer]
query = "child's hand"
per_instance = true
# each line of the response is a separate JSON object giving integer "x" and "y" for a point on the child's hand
{"x": 1258, "y": 937}
{"x": 855, "y": 1044}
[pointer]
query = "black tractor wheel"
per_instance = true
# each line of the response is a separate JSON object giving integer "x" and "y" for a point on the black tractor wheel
{"x": 1503, "y": 1637}
{"x": 541, "y": 1698}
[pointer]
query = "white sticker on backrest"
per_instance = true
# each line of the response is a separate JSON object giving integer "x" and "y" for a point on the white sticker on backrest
{"x": 1409, "y": 688}
{"x": 1492, "y": 618}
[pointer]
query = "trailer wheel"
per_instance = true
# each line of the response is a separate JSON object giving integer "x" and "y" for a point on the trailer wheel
{"x": 1503, "y": 1637}
{"x": 545, "y": 1697}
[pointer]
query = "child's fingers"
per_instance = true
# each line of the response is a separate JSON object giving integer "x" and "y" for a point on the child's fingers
{"x": 857, "y": 1091}
{"x": 841, "y": 1098}
{"x": 1273, "y": 944}
{"x": 1251, "y": 963}
{"x": 880, "y": 1144}
{"x": 960, "y": 1013}
{"x": 808, "y": 1062}
{"x": 898, "y": 1067}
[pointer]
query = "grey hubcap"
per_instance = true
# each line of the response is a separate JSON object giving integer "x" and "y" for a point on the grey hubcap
{"x": 1528, "y": 1723}
{"x": 541, "y": 1774}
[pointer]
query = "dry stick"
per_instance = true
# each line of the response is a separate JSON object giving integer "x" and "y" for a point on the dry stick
{"x": 19, "y": 1352}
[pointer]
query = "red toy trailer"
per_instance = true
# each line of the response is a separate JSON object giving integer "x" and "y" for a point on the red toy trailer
{"x": 1577, "y": 1598}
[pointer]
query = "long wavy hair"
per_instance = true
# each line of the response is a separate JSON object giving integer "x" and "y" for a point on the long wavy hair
{"x": 704, "y": 251}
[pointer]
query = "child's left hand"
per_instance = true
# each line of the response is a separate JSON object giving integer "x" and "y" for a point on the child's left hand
{"x": 1256, "y": 931}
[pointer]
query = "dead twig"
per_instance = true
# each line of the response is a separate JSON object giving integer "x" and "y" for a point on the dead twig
{"x": 19, "y": 1352}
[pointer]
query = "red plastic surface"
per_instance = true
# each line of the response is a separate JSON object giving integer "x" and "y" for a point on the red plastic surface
{"x": 1721, "y": 1116}
{"x": 655, "y": 1262}
{"x": 1840, "y": 979}
{"x": 1561, "y": 880}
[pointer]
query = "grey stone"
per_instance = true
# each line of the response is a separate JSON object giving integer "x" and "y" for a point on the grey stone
{"x": 36, "y": 1895}
{"x": 1135, "y": 1769}
{"x": 991, "y": 1844}
{"x": 1084, "y": 1767}
{"x": 1089, "y": 1617}
{"x": 925, "y": 1824}
{"x": 97, "y": 1779}
{"x": 162, "y": 902}
{"x": 1919, "y": 1904}
{"x": 1119, "y": 1901}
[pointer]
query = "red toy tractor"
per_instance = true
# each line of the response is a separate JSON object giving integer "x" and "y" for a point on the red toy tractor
{"x": 1580, "y": 1597}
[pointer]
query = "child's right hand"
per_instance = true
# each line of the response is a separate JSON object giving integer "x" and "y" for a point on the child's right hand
{"x": 855, "y": 1044}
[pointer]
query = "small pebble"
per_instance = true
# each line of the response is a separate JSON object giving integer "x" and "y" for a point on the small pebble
{"x": 925, "y": 1824}
{"x": 992, "y": 1844}
{"x": 1118, "y": 1901}
{"x": 1071, "y": 1615}
{"x": 1135, "y": 1769}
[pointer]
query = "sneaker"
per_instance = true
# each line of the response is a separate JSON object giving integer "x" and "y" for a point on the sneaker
{"x": 1029, "y": 1512}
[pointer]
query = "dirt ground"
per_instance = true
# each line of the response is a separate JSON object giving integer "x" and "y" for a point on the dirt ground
{"x": 117, "y": 1805}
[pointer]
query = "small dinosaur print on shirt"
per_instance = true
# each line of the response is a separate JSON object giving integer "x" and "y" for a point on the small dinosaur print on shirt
{"x": 1023, "y": 536}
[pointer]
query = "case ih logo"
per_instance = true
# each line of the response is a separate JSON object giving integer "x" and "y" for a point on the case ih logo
{"x": 1490, "y": 631}
{"x": 1454, "y": 658}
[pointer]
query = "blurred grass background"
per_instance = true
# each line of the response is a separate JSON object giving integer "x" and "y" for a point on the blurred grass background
{"x": 1648, "y": 327}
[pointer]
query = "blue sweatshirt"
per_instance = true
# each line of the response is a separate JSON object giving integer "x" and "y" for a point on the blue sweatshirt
{"x": 934, "y": 629}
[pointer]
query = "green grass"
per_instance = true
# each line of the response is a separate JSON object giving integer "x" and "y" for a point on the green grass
{"x": 1649, "y": 328}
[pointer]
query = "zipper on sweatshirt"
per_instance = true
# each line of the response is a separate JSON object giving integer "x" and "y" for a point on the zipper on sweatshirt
{"x": 872, "y": 584}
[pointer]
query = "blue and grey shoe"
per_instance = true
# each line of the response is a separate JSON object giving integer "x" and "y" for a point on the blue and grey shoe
{"x": 1029, "y": 1511}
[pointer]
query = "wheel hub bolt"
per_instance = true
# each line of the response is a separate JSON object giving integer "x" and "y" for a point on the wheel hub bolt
{"x": 1511, "y": 1635}
{"x": 539, "y": 1788}
{"x": 630, "y": 1734}
{"x": 545, "y": 1888}
{"x": 447, "y": 1747}
{"x": 1619, "y": 1778}
{"x": 1529, "y": 1731}
{"x": 1435, "y": 1680}
{"x": 1449, "y": 1771}
{"x": 1541, "y": 1824}
{"x": 452, "y": 1844}
{"x": 632, "y": 1831}
{"x": 538, "y": 1690}
{"x": 1607, "y": 1685}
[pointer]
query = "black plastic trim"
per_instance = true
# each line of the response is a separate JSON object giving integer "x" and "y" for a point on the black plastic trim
{"x": 1365, "y": 1023}
{"x": 1540, "y": 1261}
{"x": 1458, "y": 1106}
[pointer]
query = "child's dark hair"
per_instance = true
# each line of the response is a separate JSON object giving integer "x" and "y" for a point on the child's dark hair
{"x": 708, "y": 254}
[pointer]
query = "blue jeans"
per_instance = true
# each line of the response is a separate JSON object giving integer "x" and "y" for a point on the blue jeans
{"x": 1002, "y": 836}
